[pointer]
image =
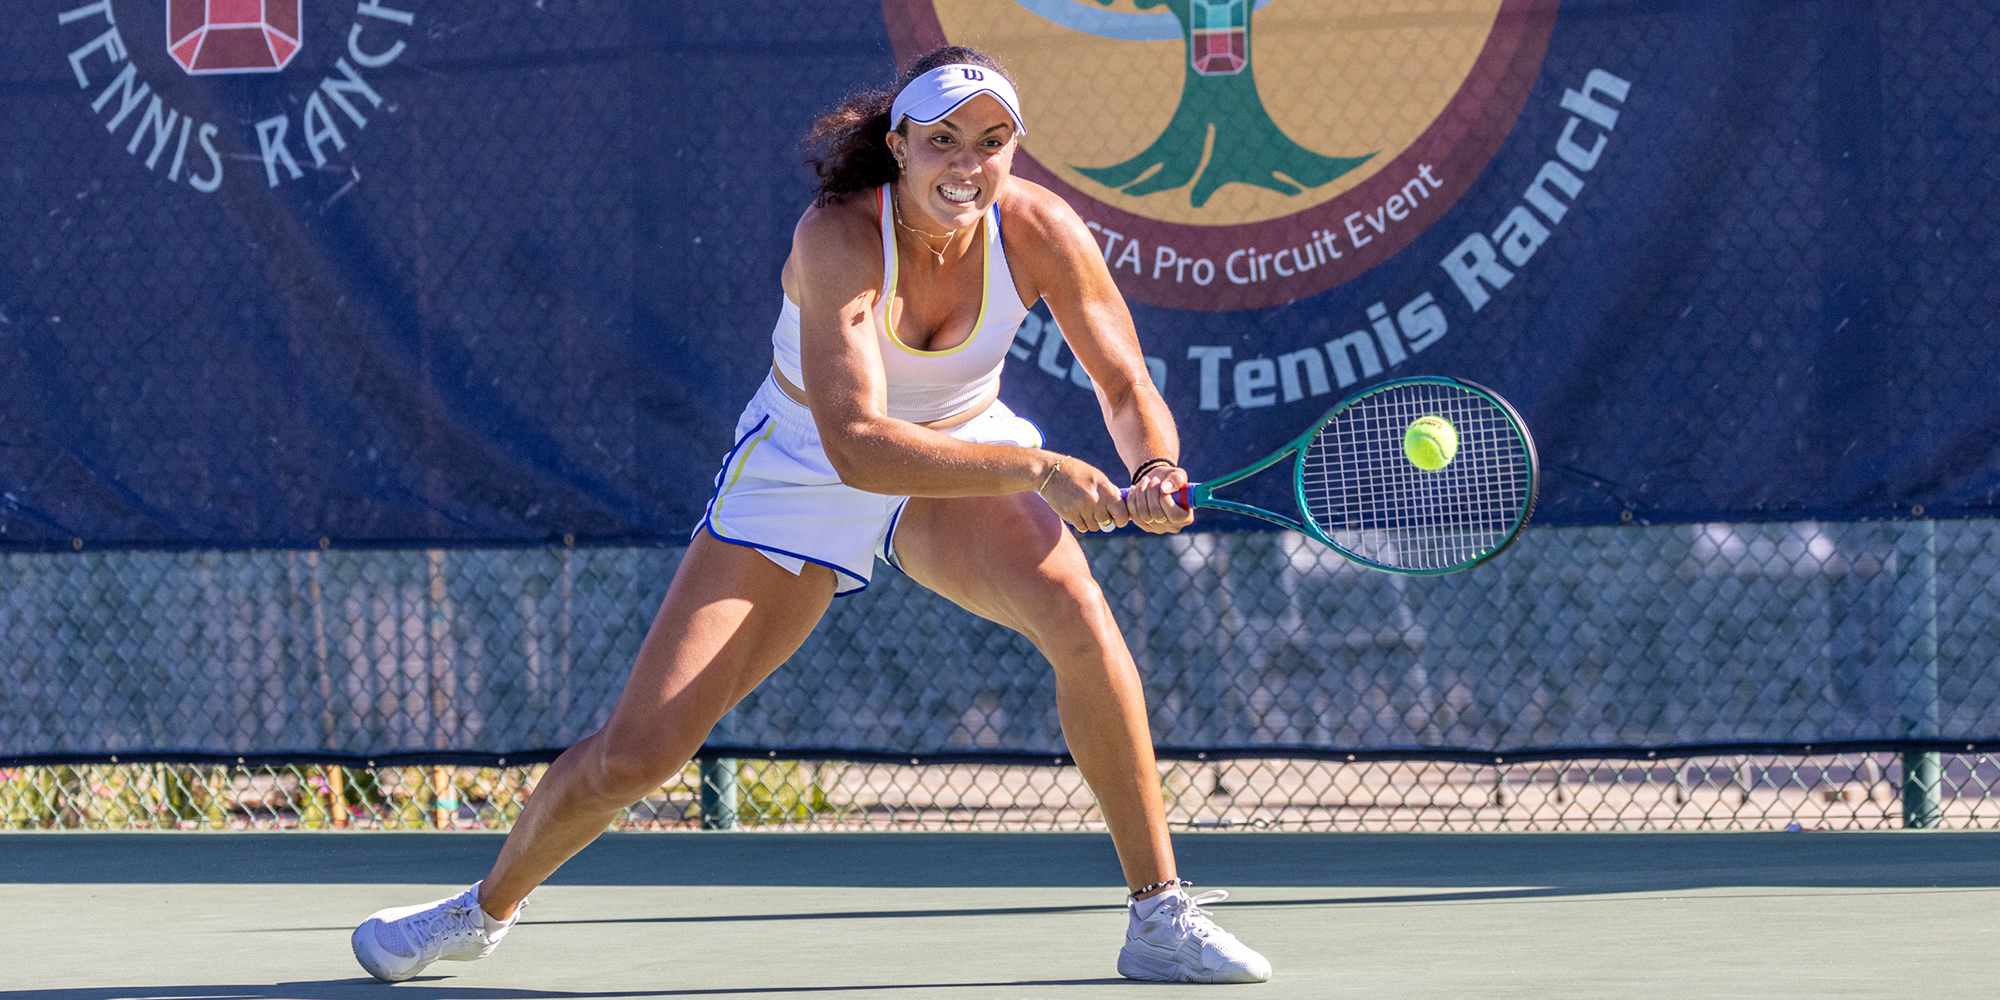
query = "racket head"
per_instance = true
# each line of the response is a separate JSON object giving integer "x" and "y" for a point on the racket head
{"x": 1362, "y": 496}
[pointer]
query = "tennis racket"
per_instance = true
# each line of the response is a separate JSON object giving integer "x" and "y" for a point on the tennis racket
{"x": 1360, "y": 495}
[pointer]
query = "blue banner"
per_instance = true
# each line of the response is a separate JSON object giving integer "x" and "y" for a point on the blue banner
{"x": 445, "y": 273}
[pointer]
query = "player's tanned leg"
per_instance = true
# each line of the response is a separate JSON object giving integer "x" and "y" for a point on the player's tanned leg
{"x": 730, "y": 618}
{"x": 1010, "y": 560}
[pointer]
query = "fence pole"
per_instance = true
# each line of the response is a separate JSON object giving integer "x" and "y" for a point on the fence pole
{"x": 718, "y": 793}
{"x": 444, "y": 799}
{"x": 1922, "y": 802}
{"x": 1918, "y": 676}
{"x": 336, "y": 797}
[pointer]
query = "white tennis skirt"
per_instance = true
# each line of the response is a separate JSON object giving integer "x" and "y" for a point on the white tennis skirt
{"x": 777, "y": 491}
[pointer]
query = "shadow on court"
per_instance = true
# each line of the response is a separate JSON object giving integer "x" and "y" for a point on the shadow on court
{"x": 1552, "y": 864}
{"x": 421, "y": 988}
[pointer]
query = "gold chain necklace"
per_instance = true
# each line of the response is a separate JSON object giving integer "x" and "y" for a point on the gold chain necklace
{"x": 896, "y": 209}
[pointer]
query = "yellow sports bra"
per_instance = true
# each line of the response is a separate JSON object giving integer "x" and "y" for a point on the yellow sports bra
{"x": 928, "y": 385}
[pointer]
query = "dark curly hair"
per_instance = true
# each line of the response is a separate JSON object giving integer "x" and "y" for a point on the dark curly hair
{"x": 847, "y": 149}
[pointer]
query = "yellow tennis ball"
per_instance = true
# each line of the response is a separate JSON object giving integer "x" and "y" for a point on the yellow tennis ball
{"x": 1430, "y": 442}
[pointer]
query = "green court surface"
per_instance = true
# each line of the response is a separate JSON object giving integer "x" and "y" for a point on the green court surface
{"x": 1017, "y": 916}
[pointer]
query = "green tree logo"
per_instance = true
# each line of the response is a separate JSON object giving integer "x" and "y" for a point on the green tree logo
{"x": 1220, "y": 133}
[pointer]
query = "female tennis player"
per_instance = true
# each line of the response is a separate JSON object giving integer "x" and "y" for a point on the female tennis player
{"x": 879, "y": 433}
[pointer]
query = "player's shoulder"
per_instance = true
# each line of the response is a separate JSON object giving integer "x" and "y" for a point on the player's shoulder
{"x": 1032, "y": 210}
{"x": 840, "y": 225}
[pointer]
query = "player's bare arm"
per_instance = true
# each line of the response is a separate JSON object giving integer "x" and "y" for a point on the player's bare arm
{"x": 1061, "y": 265}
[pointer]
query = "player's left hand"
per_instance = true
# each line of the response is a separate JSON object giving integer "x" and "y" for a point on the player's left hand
{"x": 1150, "y": 502}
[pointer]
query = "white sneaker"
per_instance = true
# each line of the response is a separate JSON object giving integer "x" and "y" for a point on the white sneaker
{"x": 1180, "y": 944}
{"x": 397, "y": 943}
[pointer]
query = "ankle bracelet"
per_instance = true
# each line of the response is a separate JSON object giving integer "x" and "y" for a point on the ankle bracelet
{"x": 1171, "y": 883}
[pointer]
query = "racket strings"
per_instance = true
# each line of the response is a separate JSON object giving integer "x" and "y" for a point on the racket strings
{"x": 1361, "y": 490}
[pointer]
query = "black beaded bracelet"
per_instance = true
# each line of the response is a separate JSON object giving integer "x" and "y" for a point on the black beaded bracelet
{"x": 1148, "y": 465}
{"x": 1172, "y": 883}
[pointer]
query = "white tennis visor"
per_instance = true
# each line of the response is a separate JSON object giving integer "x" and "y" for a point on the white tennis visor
{"x": 943, "y": 90}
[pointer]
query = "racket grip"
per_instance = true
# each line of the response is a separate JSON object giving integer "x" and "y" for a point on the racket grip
{"x": 1180, "y": 496}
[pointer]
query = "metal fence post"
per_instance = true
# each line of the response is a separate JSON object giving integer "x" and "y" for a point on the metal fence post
{"x": 1922, "y": 801}
{"x": 718, "y": 793}
{"x": 1917, "y": 673}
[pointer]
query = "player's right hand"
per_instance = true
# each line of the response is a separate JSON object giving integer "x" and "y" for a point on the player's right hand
{"x": 1151, "y": 504}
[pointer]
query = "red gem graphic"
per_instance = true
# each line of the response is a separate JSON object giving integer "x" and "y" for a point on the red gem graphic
{"x": 1219, "y": 53}
{"x": 233, "y": 36}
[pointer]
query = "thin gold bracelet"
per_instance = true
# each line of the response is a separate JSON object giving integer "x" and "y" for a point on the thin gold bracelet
{"x": 1051, "y": 477}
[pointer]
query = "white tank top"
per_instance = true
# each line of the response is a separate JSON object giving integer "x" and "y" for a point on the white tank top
{"x": 928, "y": 385}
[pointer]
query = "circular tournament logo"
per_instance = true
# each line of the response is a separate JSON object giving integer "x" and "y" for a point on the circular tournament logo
{"x": 1232, "y": 154}
{"x": 285, "y": 117}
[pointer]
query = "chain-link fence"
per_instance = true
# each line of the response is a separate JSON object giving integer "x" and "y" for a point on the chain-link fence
{"x": 1832, "y": 792}
{"x": 1603, "y": 677}
{"x": 1677, "y": 639}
